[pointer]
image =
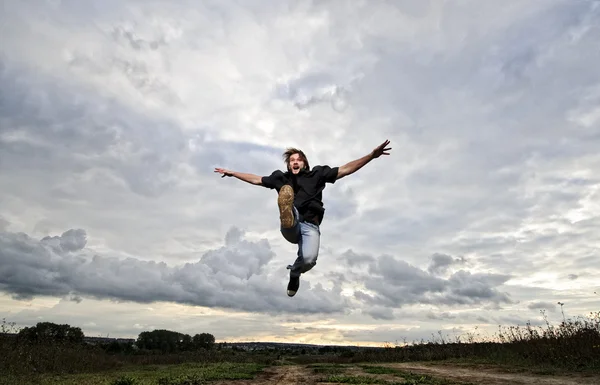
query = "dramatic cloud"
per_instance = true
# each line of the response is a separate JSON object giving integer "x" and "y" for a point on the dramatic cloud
{"x": 352, "y": 259}
{"x": 233, "y": 276}
{"x": 113, "y": 117}
{"x": 229, "y": 277}
{"x": 440, "y": 263}
{"x": 396, "y": 283}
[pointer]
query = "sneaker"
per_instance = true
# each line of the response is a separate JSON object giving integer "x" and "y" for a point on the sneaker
{"x": 293, "y": 286}
{"x": 285, "y": 201}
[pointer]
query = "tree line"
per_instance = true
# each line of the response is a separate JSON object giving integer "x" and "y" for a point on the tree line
{"x": 166, "y": 341}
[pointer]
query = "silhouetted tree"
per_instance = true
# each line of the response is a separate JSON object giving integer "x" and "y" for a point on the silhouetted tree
{"x": 204, "y": 341}
{"x": 165, "y": 340}
{"x": 51, "y": 332}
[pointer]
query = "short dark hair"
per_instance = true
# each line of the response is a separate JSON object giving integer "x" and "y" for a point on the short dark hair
{"x": 291, "y": 151}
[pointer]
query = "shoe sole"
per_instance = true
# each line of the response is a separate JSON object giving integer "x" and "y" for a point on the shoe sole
{"x": 285, "y": 201}
{"x": 291, "y": 292}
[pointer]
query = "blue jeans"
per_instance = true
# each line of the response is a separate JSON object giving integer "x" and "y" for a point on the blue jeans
{"x": 308, "y": 237}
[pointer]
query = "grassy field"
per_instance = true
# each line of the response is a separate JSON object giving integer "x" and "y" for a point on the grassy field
{"x": 195, "y": 374}
{"x": 290, "y": 373}
{"x": 372, "y": 374}
{"x": 572, "y": 347}
{"x": 182, "y": 374}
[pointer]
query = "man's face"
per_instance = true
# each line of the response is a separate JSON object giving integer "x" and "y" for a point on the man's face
{"x": 296, "y": 163}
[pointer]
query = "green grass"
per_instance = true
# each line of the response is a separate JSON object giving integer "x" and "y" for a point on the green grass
{"x": 514, "y": 367}
{"x": 408, "y": 377}
{"x": 379, "y": 370}
{"x": 328, "y": 368}
{"x": 349, "y": 379}
{"x": 404, "y": 378}
{"x": 183, "y": 374}
{"x": 413, "y": 379}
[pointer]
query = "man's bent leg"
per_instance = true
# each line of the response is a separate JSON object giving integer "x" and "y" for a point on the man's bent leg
{"x": 308, "y": 251}
{"x": 292, "y": 234}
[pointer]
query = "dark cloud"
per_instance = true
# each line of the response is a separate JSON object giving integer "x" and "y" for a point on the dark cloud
{"x": 3, "y": 224}
{"x": 229, "y": 277}
{"x": 352, "y": 259}
{"x": 544, "y": 305}
{"x": 396, "y": 283}
{"x": 440, "y": 263}
{"x": 478, "y": 286}
{"x": 362, "y": 296}
{"x": 381, "y": 313}
{"x": 50, "y": 127}
{"x": 70, "y": 240}
{"x": 440, "y": 316}
{"x": 402, "y": 335}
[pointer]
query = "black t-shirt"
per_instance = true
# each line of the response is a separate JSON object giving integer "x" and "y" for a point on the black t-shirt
{"x": 308, "y": 187}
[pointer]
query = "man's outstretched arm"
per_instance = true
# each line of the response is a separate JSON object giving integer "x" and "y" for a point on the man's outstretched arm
{"x": 250, "y": 178}
{"x": 355, "y": 165}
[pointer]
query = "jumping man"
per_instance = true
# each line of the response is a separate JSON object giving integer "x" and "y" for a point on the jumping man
{"x": 300, "y": 202}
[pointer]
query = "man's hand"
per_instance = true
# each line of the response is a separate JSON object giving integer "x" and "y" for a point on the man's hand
{"x": 246, "y": 177}
{"x": 355, "y": 165}
{"x": 224, "y": 172}
{"x": 381, "y": 150}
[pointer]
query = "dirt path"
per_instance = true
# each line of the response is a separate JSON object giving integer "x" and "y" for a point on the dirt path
{"x": 284, "y": 375}
{"x": 303, "y": 375}
{"x": 489, "y": 376}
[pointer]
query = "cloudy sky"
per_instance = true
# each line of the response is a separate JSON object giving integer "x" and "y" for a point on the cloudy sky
{"x": 114, "y": 114}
